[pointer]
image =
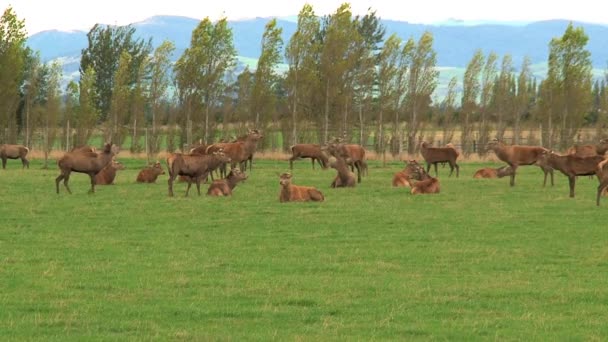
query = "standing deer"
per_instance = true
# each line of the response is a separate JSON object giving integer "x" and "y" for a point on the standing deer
{"x": 517, "y": 155}
{"x": 195, "y": 166}
{"x": 240, "y": 151}
{"x": 312, "y": 151}
{"x": 572, "y": 166}
{"x": 602, "y": 175}
{"x": 434, "y": 155}
{"x": 589, "y": 150}
{"x": 90, "y": 163}
{"x": 14, "y": 152}
{"x": 296, "y": 193}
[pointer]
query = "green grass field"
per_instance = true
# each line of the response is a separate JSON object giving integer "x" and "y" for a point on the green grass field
{"x": 479, "y": 261}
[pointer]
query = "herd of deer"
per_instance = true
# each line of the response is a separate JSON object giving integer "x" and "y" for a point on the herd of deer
{"x": 199, "y": 164}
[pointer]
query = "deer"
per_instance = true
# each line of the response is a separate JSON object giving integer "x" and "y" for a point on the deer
{"x": 353, "y": 154}
{"x": 345, "y": 177}
{"x": 571, "y": 165}
{"x": 426, "y": 185}
{"x": 107, "y": 175}
{"x": 240, "y": 151}
{"x": 518, "y": 155}
{"x": 84, "y": 148}
{"x": 404, "y": 177}
{"x": 602, "y": 175}
{"x": 224, "y": 187}
{"x": 312, "y": 151}
{"x": 434, "y": 155}
{"x": 297, "y": 193}
{"x": 489, "y": 172}
{"x": 589, "y": 150}
{"x": 90, "y": 163}
{"x": 14, "y": 152}
{"x": 195, "y": 166}
{"x": 150, "y": 174}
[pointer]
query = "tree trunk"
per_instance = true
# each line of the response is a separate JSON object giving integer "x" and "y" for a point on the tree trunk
{"x": 326, "y": 130}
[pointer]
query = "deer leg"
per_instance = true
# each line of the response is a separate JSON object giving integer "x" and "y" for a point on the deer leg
{"x": 189, "y": 185}
{"x": 92, "y": 191}
{"x": 545, "y": 181}
{"x": 572, "y": 182}
{"x": 198, "y": 185}
{"x": 4, "y": 163}
{"x": 66, "y": 178}
{"x": 436, "y": 173}
{"x": 57, "y": 180}
{"x": 358, "y": 166}
{"x": 171, "y": 177}
{"x": 428, "y": 167}
{"x": 600, "y": 189}
{"x": 551, "y": 173}
{"x": 514, "y": 167}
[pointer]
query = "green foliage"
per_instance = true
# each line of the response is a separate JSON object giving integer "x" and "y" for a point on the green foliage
{"x": 479, "y": 261}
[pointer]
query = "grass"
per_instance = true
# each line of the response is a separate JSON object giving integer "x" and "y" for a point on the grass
{"x": 479, "y": 261}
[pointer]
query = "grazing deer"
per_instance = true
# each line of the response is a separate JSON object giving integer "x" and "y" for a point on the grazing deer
{"x": 224, "y": 187}
{"x": 434, "y": 155}
{"x": 518, "y": 155}
{"x": 90, "y": 163}
{"x": 312, "y": 151}
{"x": 296, "y": 193}
{"x": 14, "y": 152}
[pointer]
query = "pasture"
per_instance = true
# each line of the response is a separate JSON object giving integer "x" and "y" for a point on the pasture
{"x": 480, "y": 260}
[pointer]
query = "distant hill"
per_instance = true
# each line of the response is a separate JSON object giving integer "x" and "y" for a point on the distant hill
{"x": 455, "y": 42}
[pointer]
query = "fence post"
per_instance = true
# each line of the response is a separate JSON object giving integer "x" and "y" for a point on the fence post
{"x": 147, "y": 147}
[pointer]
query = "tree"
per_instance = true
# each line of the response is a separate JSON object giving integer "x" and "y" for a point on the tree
{"x": 421, "y": 84}
{"x": 53, "y": 109}
{"x": 300, "y": 54}
{"x": 201, "y": 69}
{"x": 87, "y": 114}
{"x": 523, "y": 98}
{"x": 105, "y": 47}
{"x": 159, "y": 83}
{"x": 448, "y": 107}
{"x": 12, "y": 59}
{"x": 387, "y": 71}
{"x": 121, "y": 101}
{"x": 263, "y": 99}
{"x": 470, "y": 95}
{"x": 487, "y": 87}
{"x": 571, "y": 80}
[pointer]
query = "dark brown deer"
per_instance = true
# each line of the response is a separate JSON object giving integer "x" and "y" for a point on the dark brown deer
{"x": 426, "y": 185}
{"x": 195, "y": 166}
{"x": 224, "y": 187}
{"x": 150, "y": 174}
{"x": 296, "y": 193}
{"x": 434, "y": 155}
{"x": 312, "y": 151}
{"x": 518, "y": 155}
{"x": 14, "y": 152}
{"x": 107, "y": 175}
{"x": 602, "y": 175}
{"x": 589, "y": 150}
{"x": 490, "y": 172}
{"x": 572, "y": 166}
{"x": 90, "y": 163}
{"x": 405, "y": 177}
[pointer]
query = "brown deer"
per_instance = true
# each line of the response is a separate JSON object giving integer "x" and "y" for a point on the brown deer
{"x": 589, "y": 150}
{"x": 90, "y": 163}
{"x": 434, "y": 155}
{"x": 224, "y": 187}
{"x": 426, "y": 185}
{"x": 345, "y": 177}
{"x": 195, "y": 166}
{"x": 150, "y": 174}
{"x": 312, "y": 151}
{"x": 296, "y": 193}
{"x": 240, "y": 151}
{"x": 602, "y": 175}
{"x": 518, "y": 155}
{"x": 490, "y": 172}
{"x": 84, "y": 148}
{"x": 404, "y": 177}
{"x": 353, "y": 154}
{"x": 572, "y": 166}
{"x": 107, "y": 175}
{"x": 14, "y": 152}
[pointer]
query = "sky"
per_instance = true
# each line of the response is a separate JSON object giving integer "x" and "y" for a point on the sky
{"x": 41, "y": 15}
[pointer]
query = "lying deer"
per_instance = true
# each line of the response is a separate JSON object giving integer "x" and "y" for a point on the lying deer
{"x": 224, "y": 187}
{"x": 296, "y": 193}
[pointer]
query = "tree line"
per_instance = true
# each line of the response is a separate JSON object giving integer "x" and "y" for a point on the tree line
{"x": 344, "y": 75}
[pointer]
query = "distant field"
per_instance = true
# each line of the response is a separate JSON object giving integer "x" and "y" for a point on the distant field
{"x": 481, "y": 260}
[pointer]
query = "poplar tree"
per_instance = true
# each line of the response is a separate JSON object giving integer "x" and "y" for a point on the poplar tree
{"x": 470, "y": 95}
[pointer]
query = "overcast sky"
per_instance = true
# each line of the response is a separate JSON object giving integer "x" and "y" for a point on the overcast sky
{"x": 43, "y": 15}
